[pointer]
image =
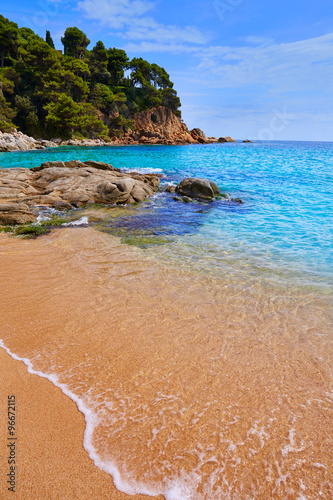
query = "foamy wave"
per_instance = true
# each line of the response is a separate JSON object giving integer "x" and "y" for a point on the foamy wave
{"x": 144, "y": 170}
{"x": 80, "y": 222}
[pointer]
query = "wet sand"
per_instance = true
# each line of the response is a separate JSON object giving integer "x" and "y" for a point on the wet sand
{"x": 51, "y": 461}
{"x": 196, "y": 388}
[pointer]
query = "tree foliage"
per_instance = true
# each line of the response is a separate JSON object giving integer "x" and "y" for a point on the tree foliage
{"x": 75, "y": 43}
{"x": 46, "y": 93}
{"x": 49, "y": 40}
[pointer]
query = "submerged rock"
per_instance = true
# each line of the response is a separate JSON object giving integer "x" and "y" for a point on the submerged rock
{"x": 171, "y": 189}
{"x": 198, "y": 188}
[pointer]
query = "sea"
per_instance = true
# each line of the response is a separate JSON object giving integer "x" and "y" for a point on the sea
{"x": 196, "y": 338}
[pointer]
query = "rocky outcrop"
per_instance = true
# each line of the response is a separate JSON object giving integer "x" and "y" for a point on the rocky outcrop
{"x": 84, "y": 142}
{"x": 67, "y": 185}
{"x": 152, "y": 126}
{"x": 16, "y": 141}
{"x": 226, "y": 139}
{"x": 159, "y": 126}
{"x": 198, "y": 188}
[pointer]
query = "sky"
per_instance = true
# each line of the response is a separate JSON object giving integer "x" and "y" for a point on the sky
{"x": 250, "y": 69}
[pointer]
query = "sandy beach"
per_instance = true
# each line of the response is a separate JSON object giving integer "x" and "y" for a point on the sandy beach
{"x": 183, "y": 381}
{"x": 51, "y": 461}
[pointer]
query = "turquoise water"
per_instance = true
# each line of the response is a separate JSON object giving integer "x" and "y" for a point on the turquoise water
{"x": 281, "y": 234}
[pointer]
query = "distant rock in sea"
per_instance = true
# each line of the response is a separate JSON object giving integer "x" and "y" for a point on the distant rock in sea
{"x": 226, "y": 139}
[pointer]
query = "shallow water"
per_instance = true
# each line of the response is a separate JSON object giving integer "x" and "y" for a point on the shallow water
{"x": 283, "y": 232}
{"x": 202, "y": 360}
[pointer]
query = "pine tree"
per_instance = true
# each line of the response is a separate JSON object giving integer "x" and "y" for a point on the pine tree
{"x": 49, "y": 40}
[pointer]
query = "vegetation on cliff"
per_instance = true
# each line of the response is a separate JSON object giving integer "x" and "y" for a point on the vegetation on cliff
{"x": 81, "y": 93}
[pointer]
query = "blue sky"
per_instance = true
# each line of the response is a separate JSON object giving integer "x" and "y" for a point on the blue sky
{"x": 246, "y": 68}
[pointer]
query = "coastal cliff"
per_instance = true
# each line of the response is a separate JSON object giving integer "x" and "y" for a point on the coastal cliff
{"x": 157, "y": 125}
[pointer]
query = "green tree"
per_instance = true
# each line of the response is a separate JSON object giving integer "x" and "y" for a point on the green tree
{"x": 118, "y": 62}
{"x": 26, "y": 116}
{"x": 102, "y": 97}
{"x": 75, "y": 43}
{"x": 66, "y": 117}
{"x": 140, "y": 72}
{"x": 160, "y": 77}
{"x": 98, "y": 63}
{"x": 171, "y": 100}
{"x": 6, "y": 114}
{"x": 8, "y": 38}
{"x": 76, "y": 66}
{"x": 49, "y": 40}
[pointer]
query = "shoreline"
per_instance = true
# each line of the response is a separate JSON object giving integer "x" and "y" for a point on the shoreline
{"x": 51, "y": 460}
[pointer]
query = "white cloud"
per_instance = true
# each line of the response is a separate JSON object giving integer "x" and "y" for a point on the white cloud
{"x": 295, "y": 66}
{"x": 115, "y": 13}
{"x": 130, "y": 16}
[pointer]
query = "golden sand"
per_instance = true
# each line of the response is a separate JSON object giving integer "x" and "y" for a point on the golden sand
{"x": 198, "y": 387}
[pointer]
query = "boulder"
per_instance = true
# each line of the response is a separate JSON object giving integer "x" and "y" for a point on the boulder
{"x": 16, "y": 213}
{"x": 226, "y": 139}
{"x": 198, "y": 138}
{"x": 247, "y": 140}
{"x": 198, "y": 188}
{"x": 199, "y": 132}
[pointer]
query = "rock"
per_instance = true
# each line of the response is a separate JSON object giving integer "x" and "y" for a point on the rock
{"x": 171, "y": 189}
{"x": 199, "y": 132}
{"x": 106, "y": 192}
{"x": 61, "y": 204}
{"x": 74, "y": 164}
{"x": 226, "y": 139}
{"x": 73, "y": 184}
{"x": 101, "y": 165}
{"x": 198, "y": 188}
{"x": 17, "y": 141}
{"x": 138, "y": 193}
{"x": 47, "y": 164}
{"x": 16, "y": 213}
{"x": 183, "y": 199}
{"x": 77, "y": 198}
{"x": 212, "y": 139}
{"x": 198, "y": 138}
{"x": 237, "y": 200}
{"x": 166, "y": 128}
{"x": 247, "y": 140}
